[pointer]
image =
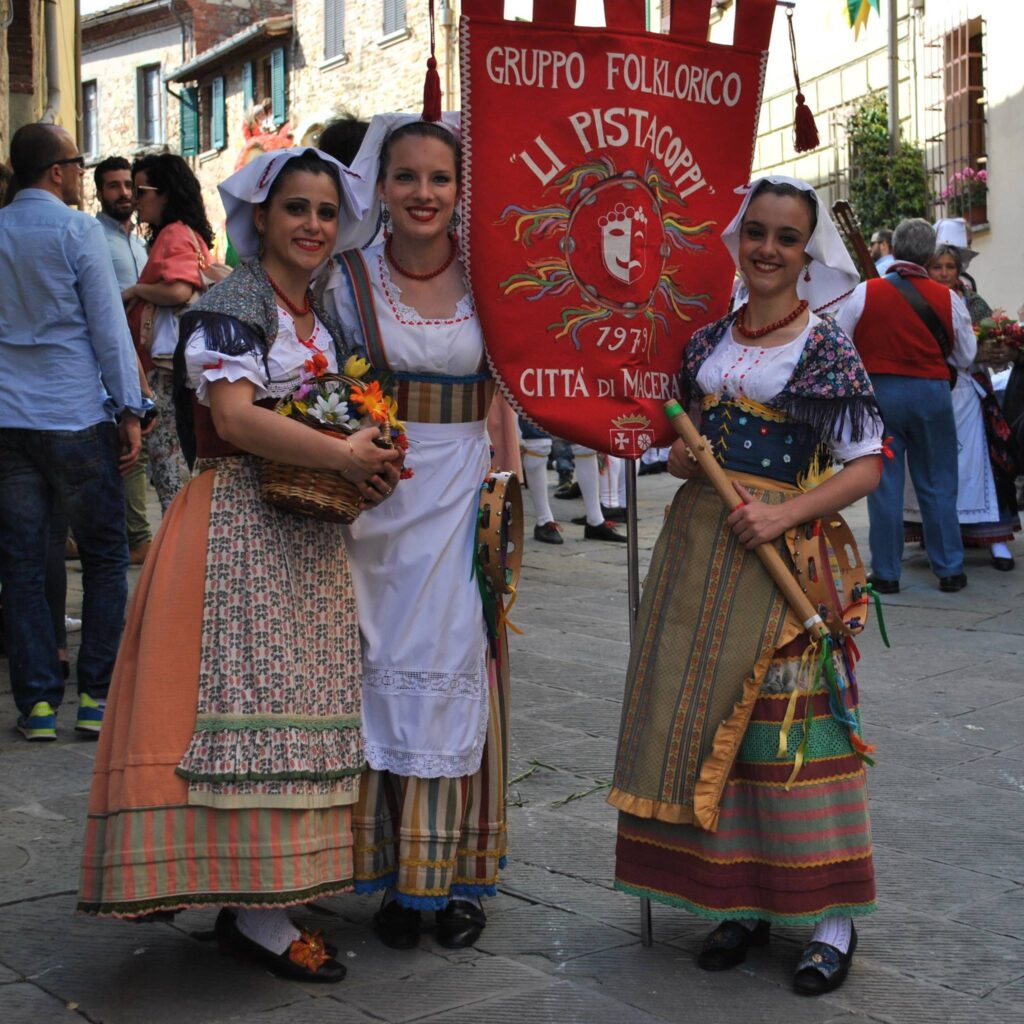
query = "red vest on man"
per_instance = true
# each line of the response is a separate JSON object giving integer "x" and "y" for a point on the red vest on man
{"x": 892, "y": 338}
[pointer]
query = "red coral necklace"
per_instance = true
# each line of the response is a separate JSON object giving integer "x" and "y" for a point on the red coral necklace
{"x": 292, "y": 308}
{"x": 389, "y": 252}
{"x": 760, "y": 332}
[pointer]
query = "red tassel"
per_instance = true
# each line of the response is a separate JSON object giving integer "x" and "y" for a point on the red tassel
{"x": 432, "y": 84}
{"x": 432, "y": 93}
{"x": 805, "y": 131}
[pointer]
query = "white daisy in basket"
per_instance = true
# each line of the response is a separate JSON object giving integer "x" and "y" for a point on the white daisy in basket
{"x": 330, "y": 409}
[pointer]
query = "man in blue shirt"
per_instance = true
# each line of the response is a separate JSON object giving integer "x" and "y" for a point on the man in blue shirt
{"x": 69, "y": 424}
{"x": 880, "y": 249}
{"x": 113, "y": 178}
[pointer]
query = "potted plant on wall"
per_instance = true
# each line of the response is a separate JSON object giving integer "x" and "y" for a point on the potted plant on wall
{"x": 966, "y": 195}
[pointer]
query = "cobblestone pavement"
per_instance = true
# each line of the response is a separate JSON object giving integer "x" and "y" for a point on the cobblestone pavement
{"x": 945, "y": 707}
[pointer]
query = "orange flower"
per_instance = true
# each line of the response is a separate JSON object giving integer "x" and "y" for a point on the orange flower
{"x": 371, "y": 400}
{"x": 317, "y": 364}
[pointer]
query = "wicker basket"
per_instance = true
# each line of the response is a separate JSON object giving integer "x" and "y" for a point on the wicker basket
{"x": 318, "y": 493}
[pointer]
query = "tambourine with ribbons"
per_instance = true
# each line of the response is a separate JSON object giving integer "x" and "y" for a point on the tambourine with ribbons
{"x": 498, "y": 552}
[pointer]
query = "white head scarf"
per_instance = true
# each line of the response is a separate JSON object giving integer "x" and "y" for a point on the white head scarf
{"x": 833, "y": 275}
{"x": 367, "y": 167}
{"x": 249, "y": 186}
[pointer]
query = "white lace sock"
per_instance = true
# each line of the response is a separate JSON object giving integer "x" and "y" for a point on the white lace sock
{"x": 535, "y": 457}
{"x": 586, "y": 477}
{"x": 610, "y": 482}
{"x": 835, "y": 931}
{"x": 272, "y": 929}
{"x": 1000, "y": 550}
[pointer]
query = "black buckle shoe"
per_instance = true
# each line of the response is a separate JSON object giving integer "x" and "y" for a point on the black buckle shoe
{"x": 727, "y": 945}
{"x": 397, "y": 926}
{"x": 459, "y": 925}
{"x": 306, "y": 959}
{"x": 823, "y": 968}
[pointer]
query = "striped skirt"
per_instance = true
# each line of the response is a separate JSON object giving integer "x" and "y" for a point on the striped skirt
{"x": 440, "y": 838}
{"x": 230, "y": 753}
{"x": 709, "y": 817}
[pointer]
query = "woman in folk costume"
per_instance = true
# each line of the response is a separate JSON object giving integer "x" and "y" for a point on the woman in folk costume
{"x": 430, "y": 823}
{"x": 725, "y": 809}
{"x": 230, "y": 756}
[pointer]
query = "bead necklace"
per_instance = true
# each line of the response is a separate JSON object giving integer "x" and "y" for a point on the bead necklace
{"x": 389, "y": 252}
{"x": 279, "y": 291}
{"x": 760, "y": 332}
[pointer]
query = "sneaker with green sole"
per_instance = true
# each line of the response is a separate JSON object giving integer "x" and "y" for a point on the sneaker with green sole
{"x": 39, "y": 724}
{"x": 90, "y": 714}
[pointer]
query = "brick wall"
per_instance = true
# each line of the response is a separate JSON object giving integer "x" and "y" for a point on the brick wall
{"x": 23, "y": 47}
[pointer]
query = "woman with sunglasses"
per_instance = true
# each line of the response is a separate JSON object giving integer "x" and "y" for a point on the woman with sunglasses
{"x": 169, "y": 202}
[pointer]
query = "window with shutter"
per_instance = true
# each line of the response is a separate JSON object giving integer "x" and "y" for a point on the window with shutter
{"x": 218, "y": 133}
{"x": 149, "y": 127}
{"x": 394, "y": 16}
{"x": 248, "y": 86}
{"x": 334, "y": 28}
{"x": 190, "y": 121}
{"x": 278, "y": 85}
{"x": 90, "y": 119}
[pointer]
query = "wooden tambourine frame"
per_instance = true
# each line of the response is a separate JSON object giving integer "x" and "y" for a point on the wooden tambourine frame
{"x": 499, "y": 532}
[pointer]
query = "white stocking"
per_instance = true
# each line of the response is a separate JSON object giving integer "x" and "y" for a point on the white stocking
{"x": 535, "y": 467}
{"x": 835, "y": 931}
{"x": 270, "y": 928}
{"x": 586, "y": 477}
{"x": 610, "y": 480}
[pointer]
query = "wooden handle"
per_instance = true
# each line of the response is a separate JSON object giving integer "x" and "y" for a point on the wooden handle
{"x": 770, "y": 558}
{"x": 846, "y": 219}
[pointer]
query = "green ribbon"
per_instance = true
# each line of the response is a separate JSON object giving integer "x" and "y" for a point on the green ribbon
{"x": 870, "y": 591}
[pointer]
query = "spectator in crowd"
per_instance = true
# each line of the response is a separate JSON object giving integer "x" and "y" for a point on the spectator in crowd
{"x": 913, "y": 334}
{"x": 113, "y": 178}
{"x": 881, "y": 249}
{"x": 70, "y": 404}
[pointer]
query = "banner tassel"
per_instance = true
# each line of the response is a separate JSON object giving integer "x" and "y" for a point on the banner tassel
{"x": 805, "y": 131}
{"x": 432, "y": 84}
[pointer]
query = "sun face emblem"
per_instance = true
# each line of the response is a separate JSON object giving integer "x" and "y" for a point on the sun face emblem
{"x": 616, "y": 238}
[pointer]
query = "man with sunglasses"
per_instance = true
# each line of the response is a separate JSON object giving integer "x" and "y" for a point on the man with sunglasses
{"x": 70, "y": 405}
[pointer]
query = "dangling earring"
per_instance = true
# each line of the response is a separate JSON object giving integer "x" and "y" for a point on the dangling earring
{"x": 807, "y": 272}
{"x": 453, "y": 224}
{"x": 385, "y": 219}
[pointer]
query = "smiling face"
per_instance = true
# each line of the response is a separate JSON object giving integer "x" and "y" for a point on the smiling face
{"x": 300, "y": 223}
{"x": 419, "y": 187}
{"x": 943, "y": 269}
{"x": 773, "y": 240}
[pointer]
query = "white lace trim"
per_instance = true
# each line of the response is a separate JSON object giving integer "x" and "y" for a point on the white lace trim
{"x": 441, "y": 684}
{"x": 426, "y": 766}
{"x": 464, "y": 308}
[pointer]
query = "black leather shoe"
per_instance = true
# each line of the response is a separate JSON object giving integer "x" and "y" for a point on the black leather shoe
{"x": 567, "y": 492}
{"x": 605, "y": 531}
{"x": 397, "y": 926}
{"x": 884, "y": 586}
{"x": 306, "y": 959}
{"x": 823, "y": 968}
{"x": 459, "y": 925}
{"x": 727, "y": 945}
{"x": 1002, "y": 564}
{"x": 951, "y": 584}
{"x": 549, "y": 533}
{"x": 615, "y": 514}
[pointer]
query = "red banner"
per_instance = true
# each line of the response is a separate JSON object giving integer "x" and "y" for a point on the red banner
{"x": 599, "y": 169}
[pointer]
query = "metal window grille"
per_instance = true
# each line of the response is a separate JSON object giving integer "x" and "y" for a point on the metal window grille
{"x": 394, "y": 16}
{"x": 334, "y": 28}
{"x": 90, "y": 119}
{"x": 150, "y": 129}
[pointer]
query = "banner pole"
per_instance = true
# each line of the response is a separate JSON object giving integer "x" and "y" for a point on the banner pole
{"x": 633, "y": 586}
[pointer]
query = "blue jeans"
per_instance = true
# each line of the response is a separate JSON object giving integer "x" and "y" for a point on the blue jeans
{"x": 77, "y": 470}
{"x": 918, "y": 413}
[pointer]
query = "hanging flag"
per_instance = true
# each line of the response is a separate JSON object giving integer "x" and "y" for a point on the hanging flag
{"x": 857, "y": 12}
{"x": 599, "y": 170}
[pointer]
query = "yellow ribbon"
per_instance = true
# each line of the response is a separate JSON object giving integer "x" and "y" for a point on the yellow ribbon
{"x": 787, "y": 721}
{"x": 503, "y": 610}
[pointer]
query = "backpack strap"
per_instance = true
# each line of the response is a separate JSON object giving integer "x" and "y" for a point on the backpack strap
{"x": 358, "y": 277}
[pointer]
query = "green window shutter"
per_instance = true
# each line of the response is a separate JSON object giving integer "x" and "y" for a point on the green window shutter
{"x": 218, "y": 127}
{"x": 277, "y": 85}
{"x": 248, "y": 87}
{"x": 190, "y": 121}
